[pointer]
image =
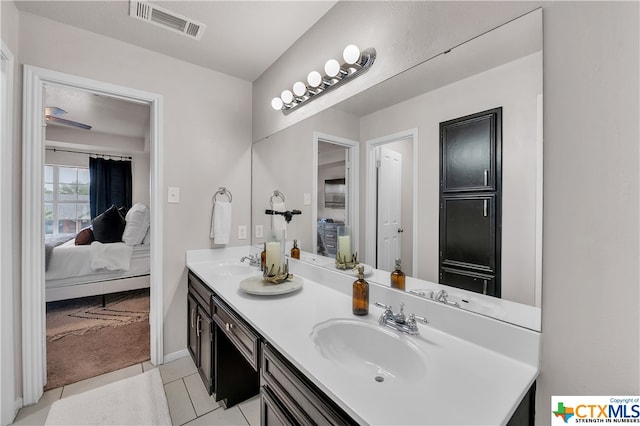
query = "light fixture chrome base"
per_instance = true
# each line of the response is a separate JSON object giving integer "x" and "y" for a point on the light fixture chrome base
{"x": 367, "y": 58}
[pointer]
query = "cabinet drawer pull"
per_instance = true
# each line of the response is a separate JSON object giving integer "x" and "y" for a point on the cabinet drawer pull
{"x": 486, "y": 177}
{"x": 485, "y": 209}
{"x": 198, "y": 329}
{"x": 193, "y": 311}
{"x": 228, "y": 326}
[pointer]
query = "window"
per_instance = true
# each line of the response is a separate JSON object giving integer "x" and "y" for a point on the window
{"x": 66, "y": 199}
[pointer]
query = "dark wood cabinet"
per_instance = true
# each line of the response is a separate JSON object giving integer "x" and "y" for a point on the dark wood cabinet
{"x": 200, "y": 337}
{"x": 471, "y": 202}
{"x": 218, "y": 342}
{"x": 289, "y": 396}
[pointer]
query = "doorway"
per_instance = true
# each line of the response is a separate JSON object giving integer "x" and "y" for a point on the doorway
{"x": 391, "y": 194}
{"x": 33, "y": 261}
{"x": 335, "y": 192}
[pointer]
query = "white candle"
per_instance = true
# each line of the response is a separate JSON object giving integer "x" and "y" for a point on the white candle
{"x": 344, "y": 247}
{"x": 273, "y": 256}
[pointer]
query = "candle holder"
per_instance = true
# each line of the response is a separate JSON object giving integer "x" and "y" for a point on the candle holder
{"x": 276, "y": 270}
{"x": 343, "y": 263}
{"x": 279, "y": 276}
{"x": 345, "y": 258}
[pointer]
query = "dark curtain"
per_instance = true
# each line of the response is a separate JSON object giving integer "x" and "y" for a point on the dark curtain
{"x": 110, "y": 184}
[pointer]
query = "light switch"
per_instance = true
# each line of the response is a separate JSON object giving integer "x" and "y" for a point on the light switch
{"x": 307, "y": 199}
{"x": 173, "y": 195}
{"x": 242, "y": 232}
{"x": 259, "y": 231}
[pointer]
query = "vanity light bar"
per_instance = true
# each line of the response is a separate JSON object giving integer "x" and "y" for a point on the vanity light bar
{"x": 356, "y": 63}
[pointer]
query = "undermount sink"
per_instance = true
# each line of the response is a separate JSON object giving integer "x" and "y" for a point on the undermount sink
{"x": 370, "y": 351}
{"x": 232, "y": 268}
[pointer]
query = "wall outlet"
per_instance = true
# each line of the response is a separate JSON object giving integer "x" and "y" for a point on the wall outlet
{"x": 307, "y": 199}
{"x": 173, "y": 195}
{"x": 242, "y": 232}
{"x": 259, "y": 231}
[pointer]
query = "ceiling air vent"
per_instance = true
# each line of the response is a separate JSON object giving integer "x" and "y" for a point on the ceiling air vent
{"x": 165, "y": 18}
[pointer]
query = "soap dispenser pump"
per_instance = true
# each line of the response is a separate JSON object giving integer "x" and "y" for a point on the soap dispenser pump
{"x": 398, "y": 277}
{"x": 360, "y": 294}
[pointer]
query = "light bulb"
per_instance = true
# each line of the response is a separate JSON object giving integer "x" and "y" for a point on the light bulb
{"x": 314, "y": 79}
{"x": 351, "y": 54}
{"x": 287, "y": 96}
{"x": 276, "y": 103}
{"x": 332, "y": 68}
{"x": 299, "y": 89}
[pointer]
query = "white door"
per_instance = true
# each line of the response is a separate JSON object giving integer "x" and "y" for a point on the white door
{"x": 389, "y": 207}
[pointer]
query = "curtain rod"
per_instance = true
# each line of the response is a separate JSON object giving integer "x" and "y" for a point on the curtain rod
{"x": 122, "y": 157}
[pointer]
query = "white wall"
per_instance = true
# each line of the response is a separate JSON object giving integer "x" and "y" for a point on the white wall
{"x": 513, "y": 86}
{"x": 206, "y": 132}
{"x": 282, "y": 162}
{"x": 590, "y": 315}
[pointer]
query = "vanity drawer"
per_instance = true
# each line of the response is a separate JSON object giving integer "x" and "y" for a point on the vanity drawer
{"x": 200, "y": 292}
{"x": 241, "y": 335}
{"x": 303, "y": 401}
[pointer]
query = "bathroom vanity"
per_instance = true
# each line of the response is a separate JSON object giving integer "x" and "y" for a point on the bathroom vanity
{"x": 313, "y": 362}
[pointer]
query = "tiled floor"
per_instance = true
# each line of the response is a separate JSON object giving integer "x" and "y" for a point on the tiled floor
{"x": 189, "y": 403}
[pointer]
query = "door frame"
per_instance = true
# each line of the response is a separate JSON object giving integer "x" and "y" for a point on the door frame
{"x": 371, "y": 199}
{"x": 8, "y": 409}
{"x": 33, "y": 280}
{"x": 353, "y": 186}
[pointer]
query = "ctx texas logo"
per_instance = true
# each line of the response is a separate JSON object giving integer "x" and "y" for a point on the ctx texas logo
{"x": 615, "y": 411}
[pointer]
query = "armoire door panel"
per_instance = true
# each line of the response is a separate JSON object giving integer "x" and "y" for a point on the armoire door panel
{"x": 469, "y": 225}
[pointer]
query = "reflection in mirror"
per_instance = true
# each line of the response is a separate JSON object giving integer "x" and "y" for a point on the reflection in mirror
{"x": 400, "y": 125}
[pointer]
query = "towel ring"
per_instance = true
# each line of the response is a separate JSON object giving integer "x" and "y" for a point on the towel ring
{"x": 223, "y": 191}
{"x": 276, "y": 193}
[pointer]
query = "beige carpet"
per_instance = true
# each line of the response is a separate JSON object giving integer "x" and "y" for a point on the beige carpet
{"x": 78, "y": 316}
{"x": 85, "y": 340}
{"x": 138, "y": 400}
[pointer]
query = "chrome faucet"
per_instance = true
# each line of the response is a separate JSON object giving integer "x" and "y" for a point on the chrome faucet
{"x": 254, "y": 259}
{"x": 398, "y": 321}
{"x": 441, "y": 296}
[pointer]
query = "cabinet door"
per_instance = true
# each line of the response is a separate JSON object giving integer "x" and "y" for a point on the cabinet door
{"x": 469, "y": 152}
{"x": 271, "y": 412}
{"x": 467, "y": 232}
{"x": 205, "y": 335}
{"x": 192, "y": 337}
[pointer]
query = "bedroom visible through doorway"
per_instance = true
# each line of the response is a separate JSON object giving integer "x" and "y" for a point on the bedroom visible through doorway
{"x": 97, "y": 227}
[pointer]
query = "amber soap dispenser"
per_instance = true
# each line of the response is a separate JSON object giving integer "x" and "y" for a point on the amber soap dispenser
{"x": 360, "y": 294}
{"x": 295, "y": 251}
{"x": 398, "y": 277}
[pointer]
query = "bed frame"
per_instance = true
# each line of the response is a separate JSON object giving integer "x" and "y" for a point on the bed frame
{"x": 97, "y": 288}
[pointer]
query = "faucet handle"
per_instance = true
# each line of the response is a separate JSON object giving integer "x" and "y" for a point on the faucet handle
{"x": 382, "y": 305}
{"x": 414, "y": 317}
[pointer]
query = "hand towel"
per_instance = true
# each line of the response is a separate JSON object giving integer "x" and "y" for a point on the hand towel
{"x": 278, "y": 224}
{"x": 221, "y": 222}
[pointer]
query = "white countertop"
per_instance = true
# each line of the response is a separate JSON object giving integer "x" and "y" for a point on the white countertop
{"x": 465, "y": 382}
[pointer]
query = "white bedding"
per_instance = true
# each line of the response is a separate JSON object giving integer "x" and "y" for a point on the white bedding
{"x": 70, "y": 261}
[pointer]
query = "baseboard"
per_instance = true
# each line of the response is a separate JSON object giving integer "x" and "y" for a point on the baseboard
{"x": 176, "y": 355}
{"x": 17, "y": 405}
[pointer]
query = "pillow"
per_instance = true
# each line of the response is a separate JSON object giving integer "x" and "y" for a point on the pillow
{"x": 147, "y": 237}
{"x": 84, "y": 237}
{"x": 109, "y": 226}
{"x": 137, "y": 224}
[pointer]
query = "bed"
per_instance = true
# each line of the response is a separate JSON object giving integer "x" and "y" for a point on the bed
{"x": 75, "y": 268}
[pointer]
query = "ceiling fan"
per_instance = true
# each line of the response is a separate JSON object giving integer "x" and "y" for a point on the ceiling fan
{"x": 54, "y": 115}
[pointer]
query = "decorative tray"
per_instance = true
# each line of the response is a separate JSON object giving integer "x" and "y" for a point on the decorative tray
{"x": 256, "y": 285}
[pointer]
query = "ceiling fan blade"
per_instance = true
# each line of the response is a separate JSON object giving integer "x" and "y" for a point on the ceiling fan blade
{"x": 66, "y": 122}
{"x": 54, "y": 111}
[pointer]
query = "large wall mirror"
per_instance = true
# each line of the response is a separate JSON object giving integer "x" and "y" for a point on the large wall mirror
{"x": 384, "y": 161}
